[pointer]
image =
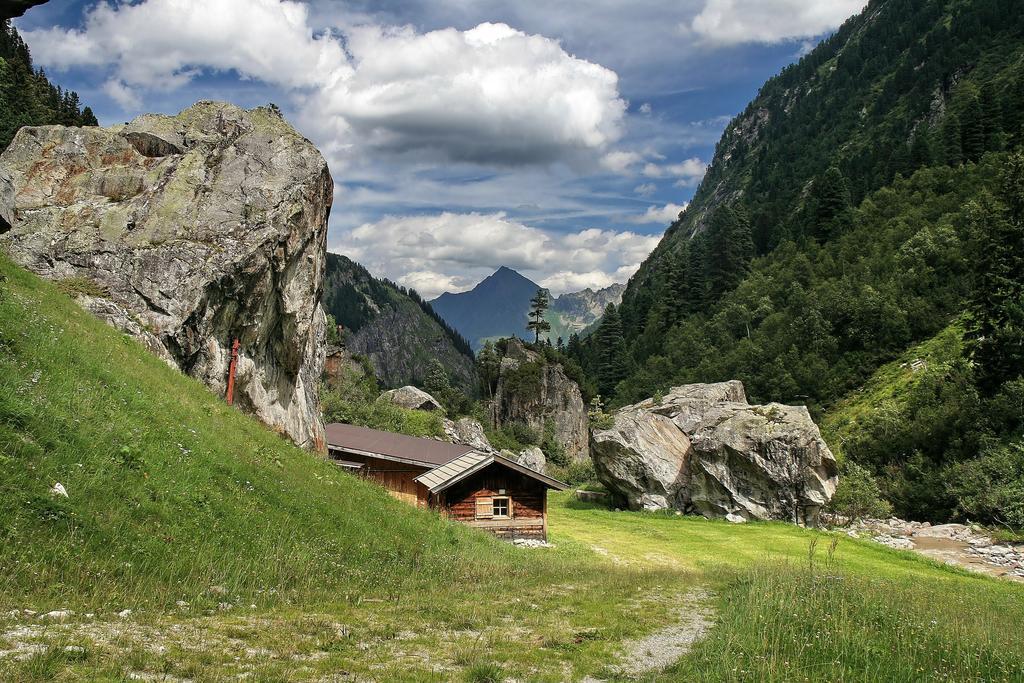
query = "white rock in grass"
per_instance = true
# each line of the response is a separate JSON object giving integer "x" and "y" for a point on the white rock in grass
{"x": 58, "y": 615}
{"x": 59, "y": 490}
{"x": 735, "y": 519}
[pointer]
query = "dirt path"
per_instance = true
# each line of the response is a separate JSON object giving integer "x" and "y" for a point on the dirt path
{"x": 641, "y": 656}
{"x": 667, "y": 645}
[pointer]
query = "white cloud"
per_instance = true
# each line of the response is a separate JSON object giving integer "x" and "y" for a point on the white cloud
{"x": 731, "y": 22}
{"x": 122, "y": 94}
{"x": 452, "y": 251}
{"x": 620, "y": 161}
{"x": 689, "y": 171}
{"x": 645, "y": 190}
{"x": 645, "y": 108}
{"x": 660, "y": 214}
{"x": 491, "y": 94}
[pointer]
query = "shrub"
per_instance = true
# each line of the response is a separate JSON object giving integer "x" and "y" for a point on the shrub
{"x": 858, "y": 494}
{"x": 574, "y": 473}
{"x": 82, "y": 286}
{"x": 990, "y": 488}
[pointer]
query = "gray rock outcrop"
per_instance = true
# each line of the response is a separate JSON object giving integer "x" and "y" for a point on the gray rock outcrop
{"x": 643, "y": 457}
{"x": 469, "y": 432}
{"x": 412, "y": 398}
{"x": 703, "y": 448}
{"x": 538, "y": 393}
{"x": 188, "y": 232}
{"x": 533, "y": 458}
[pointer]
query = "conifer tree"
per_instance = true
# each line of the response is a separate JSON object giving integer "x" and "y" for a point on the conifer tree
{"x": 972, "y": 129}
{"x": 488, "y": 365}
{"x": 538, "y": 306}
{"x": 920, "y": 150}
{"x": 612, "y": 363}
{"x": 831, "y": 196}
{"x": 730, "y": 249}
{"x": 951, "y": 149}
{"x": 996, "y": 306}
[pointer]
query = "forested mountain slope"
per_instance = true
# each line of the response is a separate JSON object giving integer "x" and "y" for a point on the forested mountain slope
{"x": 27, "y": 98}
{"x": 864, "y": 201}
{"x": 399, "y": 332}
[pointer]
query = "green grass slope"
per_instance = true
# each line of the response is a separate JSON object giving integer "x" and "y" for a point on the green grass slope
{"x": 170, "y": 490}
{"x": 242, "y": 556}
{"x": 891, "y": 387}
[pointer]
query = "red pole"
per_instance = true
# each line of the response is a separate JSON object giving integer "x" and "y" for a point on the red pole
{"x": 231, "y": 371}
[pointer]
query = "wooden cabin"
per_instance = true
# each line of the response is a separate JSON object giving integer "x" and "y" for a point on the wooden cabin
{"x": 487, "y": 491}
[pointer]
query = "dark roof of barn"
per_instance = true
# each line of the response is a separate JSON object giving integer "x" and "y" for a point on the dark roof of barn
{"x": 374, "y": 443}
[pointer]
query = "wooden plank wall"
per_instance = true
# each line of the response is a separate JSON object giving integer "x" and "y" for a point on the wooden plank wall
{"x": 528, "y": 502}
{"x": 396, "y": 477}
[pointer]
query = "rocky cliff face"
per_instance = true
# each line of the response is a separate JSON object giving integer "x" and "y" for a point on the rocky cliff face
{"x": 188, "y": 232}
{"x": 703, "y": 448}
{"x": 574, "y": 312}
{"x": 539, "y": 394}
{"x": 396, "y": 332}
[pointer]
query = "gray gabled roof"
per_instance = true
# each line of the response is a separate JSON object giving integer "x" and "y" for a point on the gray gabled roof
{"x": 389, "y": 446}
{"x": 450, "y": 473}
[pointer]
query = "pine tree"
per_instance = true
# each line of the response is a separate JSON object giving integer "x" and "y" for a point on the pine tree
{"x": 920, "y": 150}
{"x": 952, "y": 153}
{"x": 612, "y": 362}
{"x": 972, "y": 129}
{"x": 730, "y": 249}
{"x": 697, "y": 274}
{"x": 536, "y": 322}
{"x": 831, "y": 198}
{"x": 996, "y": 305}
{"x": 437, "y": 379}
{"x": 992, "y": 118}
{"x": 27, "y": 98}
{"x": 488, "y": 365}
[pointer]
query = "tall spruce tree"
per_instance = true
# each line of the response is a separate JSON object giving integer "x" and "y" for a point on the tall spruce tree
{"x": 488, "y": 364}
{"x": 538, "y": 307}
{"x": 952, "y": 151}
{"x": 730, "y": 249}
{"x": 972, "y": 128}
{"x": 612, "y": 360}
{"x": 831, "y": 197}
{"x": 996, "y": 306}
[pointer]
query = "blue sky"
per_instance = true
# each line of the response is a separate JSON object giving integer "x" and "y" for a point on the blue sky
{"x": 555, "y": 138}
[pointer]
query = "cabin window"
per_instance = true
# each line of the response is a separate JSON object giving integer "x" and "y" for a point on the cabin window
{"x": 501, "y": 506}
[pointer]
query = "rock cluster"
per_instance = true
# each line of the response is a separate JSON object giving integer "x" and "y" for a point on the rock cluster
{"x": 703, "y": 448}
{"x": 188, "y": 232}
{"x": 538, "y": 393}
{"x": 962, "y": 544}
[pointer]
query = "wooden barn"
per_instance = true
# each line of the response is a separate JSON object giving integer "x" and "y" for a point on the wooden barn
{"x": 482, "y": 490}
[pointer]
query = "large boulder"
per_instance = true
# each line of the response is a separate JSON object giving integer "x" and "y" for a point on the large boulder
{"x": 643, "y": 458}
{"x": 686, "y": 405}
{"x": 412, "y": 398}
{"x": 533, "y": 458}
{"x": 729, "y": 458}
{"x": 468, "y": 432}
{"x": 761, "y": 462}
{"x": 535, "y": 392}
{"x": 188, "y": 232}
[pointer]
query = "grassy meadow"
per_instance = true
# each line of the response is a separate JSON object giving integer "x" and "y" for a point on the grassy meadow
{"x": 197, "y": 545}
